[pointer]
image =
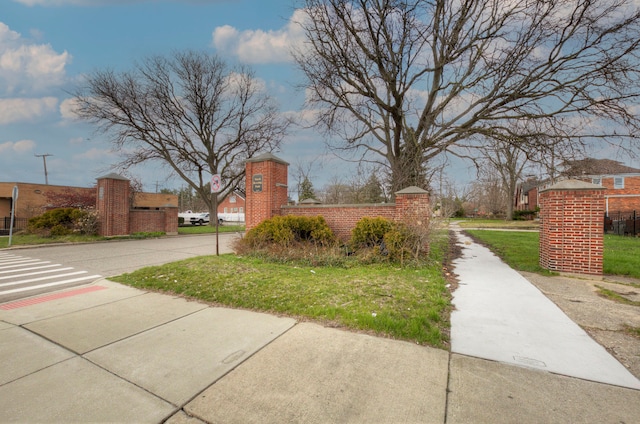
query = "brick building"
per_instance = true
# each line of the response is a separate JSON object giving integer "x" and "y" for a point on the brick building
{"x": 621, "y": 183}
{"x": 143, "y": 211}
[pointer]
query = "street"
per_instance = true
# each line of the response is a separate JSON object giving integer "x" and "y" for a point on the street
{"x": 30, "y": 271}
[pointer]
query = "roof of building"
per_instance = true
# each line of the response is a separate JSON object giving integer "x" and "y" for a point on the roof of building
{"x": 590, "y": 166}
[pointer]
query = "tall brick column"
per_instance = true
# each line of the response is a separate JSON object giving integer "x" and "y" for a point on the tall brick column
{"x": 267, "y": 179}
{"x": 412, "y": 206}
{"x": 572, "y": 228}
{"x": 113, "y": 205}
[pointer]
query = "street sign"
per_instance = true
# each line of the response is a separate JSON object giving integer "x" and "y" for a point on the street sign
{"x": 216, "y": 183}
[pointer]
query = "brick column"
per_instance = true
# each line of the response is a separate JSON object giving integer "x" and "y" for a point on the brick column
{"x": 412, "y": 206}
{"x": 266, "y": 184}
{"x": 572, "y": 228}
{"x": 113, "y": 205}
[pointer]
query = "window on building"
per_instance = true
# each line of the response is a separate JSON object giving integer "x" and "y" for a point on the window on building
{"x": 597, "y": 181}
{"x": 232, "y": 199}
{"x": 226, "y": 210}
{"x": 235, "y": 210}
{"x": 618, "y": 182}
{"x": 241, "y": 210}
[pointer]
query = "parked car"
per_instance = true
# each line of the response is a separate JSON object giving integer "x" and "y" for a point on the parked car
{"x": 202, "y": 219}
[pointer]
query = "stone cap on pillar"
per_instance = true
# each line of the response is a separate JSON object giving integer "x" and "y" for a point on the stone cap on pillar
{"x": 571, "y": 185}
{"x": 412, "y": 190}
{"x": 112, "y": 176}
{"x": 266, "y": 157}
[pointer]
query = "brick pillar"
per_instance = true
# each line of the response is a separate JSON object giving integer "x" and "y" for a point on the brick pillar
{"x": 572, "y": 228}
{"x": 113, "y": 205}
{"x": 266, "y": 184}
{"x": 170, "y": 219}
{"x": 412, "y": 206}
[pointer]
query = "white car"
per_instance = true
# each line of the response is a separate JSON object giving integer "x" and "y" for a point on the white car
{"x": 202, "y": 219}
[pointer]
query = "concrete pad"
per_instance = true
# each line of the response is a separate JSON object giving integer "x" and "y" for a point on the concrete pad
{"x": 501, "y": 316}
{"x": 5, "y": 325}
{"x": 99, "y": 326}
{"x": 484, "y": 391}
{"x": 178, "y": 360}
{"x": 181, "y": 418}
{"x": 65, "y": 305}
{"x": 23, "y": 353}
{"x": 313, "y": 374}
{"x": 77, "y": 391}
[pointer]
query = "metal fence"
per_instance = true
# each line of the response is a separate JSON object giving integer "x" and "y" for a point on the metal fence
{"x": 622, "y": 223}
{"x": 18, "y": 224}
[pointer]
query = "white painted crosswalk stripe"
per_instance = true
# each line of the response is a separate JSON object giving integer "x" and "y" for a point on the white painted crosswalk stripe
{"x": 46, "y": 271}
{"x": 13, "y": 271}
{"x": 22, "y": 276}
{"x": 57, "y": 283}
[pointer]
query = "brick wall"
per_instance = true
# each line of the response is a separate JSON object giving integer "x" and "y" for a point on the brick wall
{"x": 267, "y": 197}
{"x": 343, "y": 218}
{"x": 32, "y": 199}
{"x": 117, "y": 218}
{"x": 149, "y": 221}
{"x": 571, "y": 228}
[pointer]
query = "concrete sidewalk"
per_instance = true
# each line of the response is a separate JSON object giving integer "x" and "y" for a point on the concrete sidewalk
{"x": 110, "y": 353}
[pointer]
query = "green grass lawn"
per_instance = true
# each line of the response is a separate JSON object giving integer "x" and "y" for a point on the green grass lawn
{"x": 496, "y": 223}
{"x": 386, "y": 300}
{"x": 206, "y": 229}
{"x": 520, "y": 251}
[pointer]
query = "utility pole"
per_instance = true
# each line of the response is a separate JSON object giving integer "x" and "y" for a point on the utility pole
{"x": 44, "y": 160}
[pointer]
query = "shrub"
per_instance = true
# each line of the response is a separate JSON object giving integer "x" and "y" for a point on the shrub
{"x": 64, "y": 221}
{"x": 369, "y": 232}
{"x": 285, "y": 230}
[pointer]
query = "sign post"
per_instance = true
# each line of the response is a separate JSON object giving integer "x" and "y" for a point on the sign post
{"x": 216, "y": 185}
{"x": 14, "y": 199}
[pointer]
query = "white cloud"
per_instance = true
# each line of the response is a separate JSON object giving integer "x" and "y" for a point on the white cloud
{"x": 19, "y": 110}
{"x": 67, "y": 109}
{"x": 258, "y": 46}
{"x": 94, "y": 154}
{"x": 22, "y": 146}
{"x": 27, "y": 67}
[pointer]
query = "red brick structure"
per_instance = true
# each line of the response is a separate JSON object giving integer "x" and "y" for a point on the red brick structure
{"x": 117, "y": 218}
{"x": 267, "y": 179}
{"x": 571, "y": 230}
{"x": 267, "y": 197}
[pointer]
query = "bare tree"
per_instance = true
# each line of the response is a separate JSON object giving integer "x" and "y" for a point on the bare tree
{"x": 401, "y": 81}
{"x": 189, "y": 111}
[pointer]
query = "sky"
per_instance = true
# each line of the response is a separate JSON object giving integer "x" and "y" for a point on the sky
{"x": 46, "y": 46}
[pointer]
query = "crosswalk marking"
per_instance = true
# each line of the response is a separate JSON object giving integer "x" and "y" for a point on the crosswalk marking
{"x": 20, "y": 274}
{"x": 57, "y": 283}
{"x": 46, "y": 271}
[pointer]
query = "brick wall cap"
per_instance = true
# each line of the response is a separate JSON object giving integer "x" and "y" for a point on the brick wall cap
{"x": 573, "y": 185}
{"x": 310, "y": 202}
{"x": 266, "y": 157}
{"x": 412, "y": 190}
{"x": 341, "y": 206}
{"x": 112, "y": 176}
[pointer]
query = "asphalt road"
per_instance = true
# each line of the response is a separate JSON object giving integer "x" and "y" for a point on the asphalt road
{"x": 98, "y": 260}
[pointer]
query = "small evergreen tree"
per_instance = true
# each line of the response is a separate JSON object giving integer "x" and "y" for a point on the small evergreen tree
{"x": 306, "y": 190}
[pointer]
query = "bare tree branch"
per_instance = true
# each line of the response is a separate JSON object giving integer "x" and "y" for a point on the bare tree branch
{"x": 188, "y": 111}
{"x": 405, "y": 80}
